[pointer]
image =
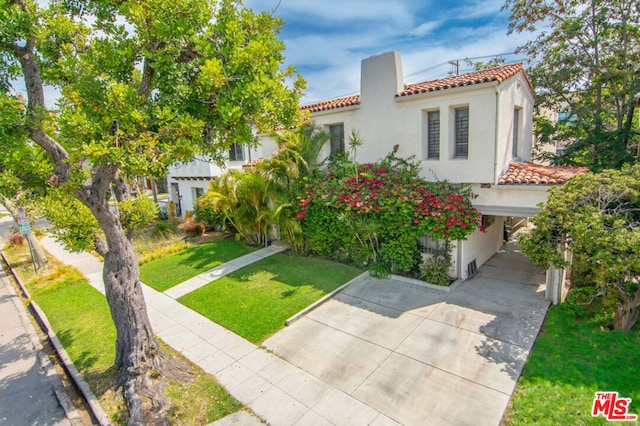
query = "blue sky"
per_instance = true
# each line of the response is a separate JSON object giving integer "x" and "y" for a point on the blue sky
{"x": 326, "y": 40}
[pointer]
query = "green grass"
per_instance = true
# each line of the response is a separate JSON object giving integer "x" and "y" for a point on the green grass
{"x": 164, "y": 273}
{"x": 80, "y": 316}
{"x": 570, "y": 361}
{"x": 255, "y": 301}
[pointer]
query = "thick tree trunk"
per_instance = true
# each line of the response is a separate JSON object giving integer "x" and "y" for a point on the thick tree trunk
{"x": 143, "y": 366}
{"x": 626, "y": 313}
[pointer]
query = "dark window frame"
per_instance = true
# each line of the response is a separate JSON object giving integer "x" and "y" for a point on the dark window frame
{"x": 461, "y": 132}
{"x": 336, "y": 132}
{"x": 236, "y": 152}
{"x": 433, "y": 135}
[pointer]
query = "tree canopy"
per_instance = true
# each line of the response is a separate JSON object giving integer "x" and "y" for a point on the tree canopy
{"x": 142, "y": 85}
{"x": 597, "y": 218}
{"x": 585, "y": 58}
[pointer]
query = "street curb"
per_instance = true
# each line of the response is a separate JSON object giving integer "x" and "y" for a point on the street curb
{"x": 314, "y": 305}
{"x": 92, "y": 401}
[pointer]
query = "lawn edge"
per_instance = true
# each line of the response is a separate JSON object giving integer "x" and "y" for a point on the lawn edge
{"x": 92, "y": 401}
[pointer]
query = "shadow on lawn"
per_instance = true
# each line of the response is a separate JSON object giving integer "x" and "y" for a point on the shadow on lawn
{"x": 201, "y": 256}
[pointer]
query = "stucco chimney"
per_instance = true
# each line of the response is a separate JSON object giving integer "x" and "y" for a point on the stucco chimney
{"x": 380, "y": 78}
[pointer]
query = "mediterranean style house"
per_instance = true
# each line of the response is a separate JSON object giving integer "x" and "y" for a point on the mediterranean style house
{"x": 474, "y": 129}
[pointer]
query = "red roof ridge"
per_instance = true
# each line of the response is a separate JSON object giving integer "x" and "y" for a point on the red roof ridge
{"x": 499, "y": 74}
{"x": 332, "y": 104}
{"x": 527, "y": 173}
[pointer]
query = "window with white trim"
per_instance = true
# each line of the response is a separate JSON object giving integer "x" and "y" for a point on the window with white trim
{"x": 461, "y": 133}
{"x": 515, "y": 141}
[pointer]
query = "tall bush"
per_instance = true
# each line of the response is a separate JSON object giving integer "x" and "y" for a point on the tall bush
{"x": 380, "y": 215}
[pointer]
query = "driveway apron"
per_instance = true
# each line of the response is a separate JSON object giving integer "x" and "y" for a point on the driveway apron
{"x": 423, "y": 356}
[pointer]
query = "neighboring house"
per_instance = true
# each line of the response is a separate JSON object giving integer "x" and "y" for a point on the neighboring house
{"x": 188, "y": 181}
{"x": 473, "y": 129}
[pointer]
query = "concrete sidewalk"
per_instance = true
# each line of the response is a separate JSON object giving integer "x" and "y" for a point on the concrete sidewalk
{"x": 30, "y": 388}
{"x": 277, "y": 391}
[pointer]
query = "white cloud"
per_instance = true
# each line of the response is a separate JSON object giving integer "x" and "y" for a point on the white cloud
{"x": 426, "y": 28}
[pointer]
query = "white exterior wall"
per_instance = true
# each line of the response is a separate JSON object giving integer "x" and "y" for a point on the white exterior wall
{"x": 199, "y": 172}
{"x": 480, "y": 246}
{"x": 385, "y": 120}
{"x": 510, "y": 200}
{"x": 513, "y": 93}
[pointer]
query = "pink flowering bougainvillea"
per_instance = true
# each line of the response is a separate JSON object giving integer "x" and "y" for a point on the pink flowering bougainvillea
{"x": 380, "y": 216}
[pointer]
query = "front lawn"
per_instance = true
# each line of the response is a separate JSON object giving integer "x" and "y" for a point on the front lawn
{"x": 570, "y": 361}
{"x": 255, "y": 301}
{"x": 166, "y": 272}
{"x": 80, "y": 316}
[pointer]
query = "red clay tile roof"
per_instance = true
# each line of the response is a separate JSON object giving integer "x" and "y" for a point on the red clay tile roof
{"x": 498, "y": 74}
{"x": 538, "y": 174}
{"x": 333, "y": 104}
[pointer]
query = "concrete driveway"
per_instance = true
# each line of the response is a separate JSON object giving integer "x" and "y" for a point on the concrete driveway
{"x": 422, "y": 356}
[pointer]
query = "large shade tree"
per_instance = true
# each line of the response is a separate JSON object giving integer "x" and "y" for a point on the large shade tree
{"x": 585, "y": 64}
{"x": 142, "y": 84}
{"x": 597, "y": 218}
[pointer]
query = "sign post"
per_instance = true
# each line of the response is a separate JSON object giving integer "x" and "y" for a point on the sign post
{"x": 25, "y": 228}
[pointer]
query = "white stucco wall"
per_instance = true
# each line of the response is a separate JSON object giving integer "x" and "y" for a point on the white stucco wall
{"x": 480, "y": 246}
{"x": 198, "y": 174}
{"x": 385, "y": 120}
{"x": 510, "y": 200}
{"x": 513, "y": 93}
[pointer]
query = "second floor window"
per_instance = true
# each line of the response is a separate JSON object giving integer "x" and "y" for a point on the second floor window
{"x": 461, "y": 133}
{"x": 336, "y": 132}
{"x": 433, "y": 135}
{"x": 516, "y": 132}
{"x": 236, "y": 153}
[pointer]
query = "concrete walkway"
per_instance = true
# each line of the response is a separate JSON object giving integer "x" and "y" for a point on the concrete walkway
{"x": 222, "y": 270}
{"x": 30, "y": 388}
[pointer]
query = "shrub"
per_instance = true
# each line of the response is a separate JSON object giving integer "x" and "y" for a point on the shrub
{"x": 379, "y": 216}
{"x": 192, "y": 229}
{"x": 16, "y": 239}
{"x": 208, "y": 213}
{"x": 435, "y": 271}
{"x": 163, "y": 228}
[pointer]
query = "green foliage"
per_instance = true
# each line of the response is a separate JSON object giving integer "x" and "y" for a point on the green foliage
{"x": 597, "y": 217}
{"x": 435, "y": 270}
{"x": 143, "y": 85}
{"x": 382, "y": 214}
{"x": 72, "y": 222}
{"x": 163, "y": 228}
{"x": 137, "y": 212}
{"x": 585, "y": 64}
{"x": 255, "y": 200}
{"x": 205, "y": 211}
